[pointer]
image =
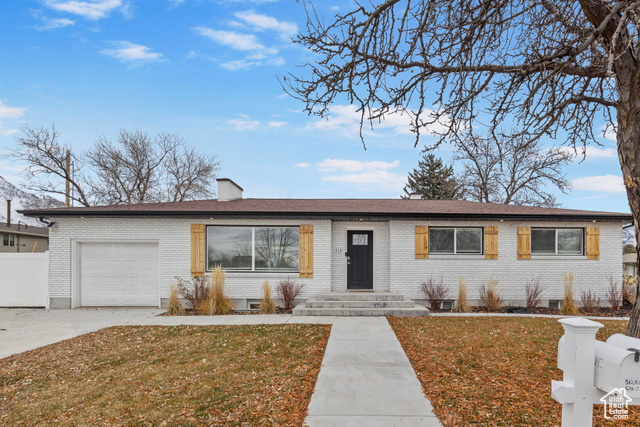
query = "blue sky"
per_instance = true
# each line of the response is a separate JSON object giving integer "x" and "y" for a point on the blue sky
{"x": 207, "y": 70}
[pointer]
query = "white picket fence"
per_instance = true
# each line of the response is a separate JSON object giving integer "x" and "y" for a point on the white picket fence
{"x": 24, "y": 280}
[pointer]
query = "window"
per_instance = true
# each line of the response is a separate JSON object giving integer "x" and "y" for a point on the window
{"x": 455, "y": 240}
{"x": 8, "y": 240}
{"x": 557, "y": 241}
{"x": 253, "y": 248}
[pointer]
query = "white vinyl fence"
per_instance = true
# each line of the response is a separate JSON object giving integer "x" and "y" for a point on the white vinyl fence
{"x": 24, "y": 280}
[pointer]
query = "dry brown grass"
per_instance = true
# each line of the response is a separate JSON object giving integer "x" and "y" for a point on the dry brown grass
{"x": 463, "y": 303}
{"x": 175, "y": 307}
{"x": 154, "y": 375}
{"x": 489, "y": 296}
{"x": 267, "y": 305}
{"x": 492, "y": 371}
{"x": 568, "y": 304}
{"x": 217, "y": 302}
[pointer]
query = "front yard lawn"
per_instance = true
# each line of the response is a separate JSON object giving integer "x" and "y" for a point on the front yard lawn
{"x": 492, "y": 371}
{"x": 156, "y": 375}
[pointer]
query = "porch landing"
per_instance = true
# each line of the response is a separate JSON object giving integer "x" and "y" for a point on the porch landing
{"x": 359, "y": 304}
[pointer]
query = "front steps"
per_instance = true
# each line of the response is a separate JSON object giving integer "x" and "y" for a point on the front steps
{"x": 359, "y": 304}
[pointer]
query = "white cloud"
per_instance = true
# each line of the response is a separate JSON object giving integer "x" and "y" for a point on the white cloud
{"x": 592, "y": 152}
{"x": 10, "y": 112}
{"x": 131, "y": 52}
{"x": 232, "y": 39}
{"x": 346, "y": 119}
{"x": 95, "y": 9}
{"x": 53, "y": 24}
{"x": 263, "y": 22}
{"x": 601, "y": 184}
{"x": 302, "y": 165}
{"x": 245, "y": 124}
{"x": 256, "y": 53}
{"x": 8, "y": 132}
{"x": 610, "y": 133}
{"x": 330, "y": 165}
{"x": 380, "y": 178}
{"x": 275, "y": 124}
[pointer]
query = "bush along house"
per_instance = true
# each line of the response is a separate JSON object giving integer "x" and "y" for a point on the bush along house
{"x": 340, "y": 249}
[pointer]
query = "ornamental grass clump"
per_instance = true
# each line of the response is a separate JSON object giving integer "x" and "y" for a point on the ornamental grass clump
{"x": 175, "y": 307}
{"x": 463, "y": 303}
{"x": 218, "y": 302}
{"x": 267, "y": 305}
{"x": 568, "y": 305}
{"x": 489, "y": 296}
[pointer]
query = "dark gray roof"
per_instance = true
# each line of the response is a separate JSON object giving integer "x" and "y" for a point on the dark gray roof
{"x": 27, "y": 230}
{"x": 333, "y": 208}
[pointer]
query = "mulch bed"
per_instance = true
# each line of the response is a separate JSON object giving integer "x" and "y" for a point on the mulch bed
{"x": 600, "y": 312}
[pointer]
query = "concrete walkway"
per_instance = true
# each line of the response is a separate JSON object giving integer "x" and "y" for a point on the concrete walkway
{"x": 366, "y": 380}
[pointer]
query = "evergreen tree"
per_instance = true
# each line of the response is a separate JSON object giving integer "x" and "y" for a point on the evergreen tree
{"x": 433, "y": 180}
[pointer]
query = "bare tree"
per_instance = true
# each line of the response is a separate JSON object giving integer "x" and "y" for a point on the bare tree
{"x": 512, "y": 171}
{"x": 538, "y": 66}
{"x": 46, "y": 158}
{"x": 133, "y": 169}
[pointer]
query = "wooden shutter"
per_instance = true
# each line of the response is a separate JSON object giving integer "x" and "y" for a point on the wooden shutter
{"x": 524, "y": 242}
{"x": 197, "y": 250}
{"x": 422, "y": 241}
{"x": 491, "y": 242}
{"x": 593, "y": 242}
{"x": 306, "y": 251}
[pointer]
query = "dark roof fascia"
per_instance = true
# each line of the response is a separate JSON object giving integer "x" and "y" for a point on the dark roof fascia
{"x": 332, "y": 215}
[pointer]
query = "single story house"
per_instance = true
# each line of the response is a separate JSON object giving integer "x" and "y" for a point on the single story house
{"x": 130, "y": 255}
{"x": 19, "y": 237}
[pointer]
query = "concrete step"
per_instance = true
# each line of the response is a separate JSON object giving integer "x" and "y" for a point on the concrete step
{"x": 416, "y": 310}
{"x": 314, "y": 303}
{"x": 359, "y": 296}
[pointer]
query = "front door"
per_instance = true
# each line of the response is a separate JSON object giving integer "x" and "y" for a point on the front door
{"x": 360, "y": 260}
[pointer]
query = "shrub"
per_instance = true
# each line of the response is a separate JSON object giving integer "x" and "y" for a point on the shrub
{"x": 463, "y": 304}
{"x": 435, "y": 293}
{"x": 218, "y": 302}
{"x": 568, "y": 305}
{"x": 288, "y": 291}
{"x": 533, "y": 293}
{"x": 590, "y": 303}
{"x": 174, "y": 307}
{"x": 195, "y": 291}
{"x": 614, "y": 293}
{"x": 489, "y": 297}
{"x": 267, "y": 305}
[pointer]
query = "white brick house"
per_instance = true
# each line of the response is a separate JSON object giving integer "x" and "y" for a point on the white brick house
{"x": 131, "y": 255}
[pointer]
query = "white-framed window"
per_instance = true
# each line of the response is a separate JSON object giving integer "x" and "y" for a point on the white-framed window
{"x": 557, "y": 241}
{"x": 245, "y": 248}
{"x": 455, "y": 240}
{"x": 8, "y": 240}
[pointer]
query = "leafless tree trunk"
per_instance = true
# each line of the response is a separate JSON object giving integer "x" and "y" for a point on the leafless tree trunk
{"x": 537, "y": 66}
{"x": 512, "y": 171}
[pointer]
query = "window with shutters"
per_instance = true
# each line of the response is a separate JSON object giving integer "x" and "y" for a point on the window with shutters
{"x": 242, "y": 248}
{"x": 557, "y": 241}
{"x": 455, "y": 240}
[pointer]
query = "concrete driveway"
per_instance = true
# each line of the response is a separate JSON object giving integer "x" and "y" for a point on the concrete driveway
{"x": 25, "y": 329}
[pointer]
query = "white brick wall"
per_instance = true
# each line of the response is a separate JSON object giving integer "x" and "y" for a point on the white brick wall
{"x": 174, "y": 237}
{"x": 395, "y": 266}
{"x": 407, "y": 273}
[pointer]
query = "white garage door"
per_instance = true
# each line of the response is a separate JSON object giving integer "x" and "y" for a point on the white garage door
{"x": 119, "y": 274}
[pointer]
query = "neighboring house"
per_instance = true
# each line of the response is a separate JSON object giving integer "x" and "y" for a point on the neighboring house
{"x": 629, "y": 264}
{"x": 23, "y": 238}
{"x": 131, "y": 255}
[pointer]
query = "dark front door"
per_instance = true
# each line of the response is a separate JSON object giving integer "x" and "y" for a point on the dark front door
{"x": 360, "y": 260}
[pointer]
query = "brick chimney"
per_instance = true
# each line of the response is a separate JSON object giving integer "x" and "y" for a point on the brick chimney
{"x": 228, "y": 190}
{"x": 8, "y": 212}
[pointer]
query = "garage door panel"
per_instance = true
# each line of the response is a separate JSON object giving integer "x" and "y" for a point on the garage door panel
{"x": 119, "y": 274}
